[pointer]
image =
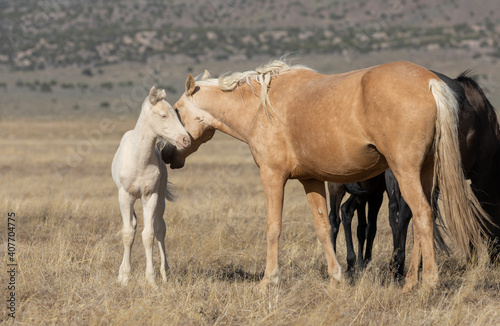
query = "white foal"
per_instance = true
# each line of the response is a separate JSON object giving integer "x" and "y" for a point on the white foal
{"x": 139, "y": 172}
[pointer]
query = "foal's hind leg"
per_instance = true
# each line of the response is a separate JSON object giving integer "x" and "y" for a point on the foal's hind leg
{"x": 128, "y": 233}
{"x": 160, "y": 230}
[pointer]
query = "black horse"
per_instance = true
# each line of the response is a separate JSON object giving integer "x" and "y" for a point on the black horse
{"x": 370, "y": 191}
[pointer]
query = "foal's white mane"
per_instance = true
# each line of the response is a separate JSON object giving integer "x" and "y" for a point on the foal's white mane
{"x": 262, "y": 75}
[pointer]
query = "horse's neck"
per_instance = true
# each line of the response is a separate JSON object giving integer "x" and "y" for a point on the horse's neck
{"x": 233, "y": 111}
{"x": 144, "y": 141}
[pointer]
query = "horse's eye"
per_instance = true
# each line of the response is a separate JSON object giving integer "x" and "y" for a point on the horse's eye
{"x": 163, "y": 116}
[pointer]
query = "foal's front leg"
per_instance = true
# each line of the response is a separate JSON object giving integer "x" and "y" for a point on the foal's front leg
{"x": 273, "y": 184}
{"x": 160, "y": 230}
{"x": 149, "y": 208}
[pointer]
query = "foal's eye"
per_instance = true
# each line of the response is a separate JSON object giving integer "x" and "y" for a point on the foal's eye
{"x": 163, "y": 116}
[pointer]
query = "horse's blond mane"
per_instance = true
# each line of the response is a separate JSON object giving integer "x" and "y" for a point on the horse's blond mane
{"x": 261, "y": 75}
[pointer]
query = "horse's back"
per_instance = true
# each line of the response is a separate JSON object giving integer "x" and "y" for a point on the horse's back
{"x": 344, "y": 125}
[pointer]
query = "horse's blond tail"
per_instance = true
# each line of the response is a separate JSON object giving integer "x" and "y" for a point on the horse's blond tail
{"x": 463, "y": 213}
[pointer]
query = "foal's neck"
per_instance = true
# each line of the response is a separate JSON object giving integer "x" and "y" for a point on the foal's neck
{"x": 144, "y": 140}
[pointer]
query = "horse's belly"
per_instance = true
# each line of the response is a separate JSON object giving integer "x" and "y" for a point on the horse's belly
{"x": 342, "y": 162}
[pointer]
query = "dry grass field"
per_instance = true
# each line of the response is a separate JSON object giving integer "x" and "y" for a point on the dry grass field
{"x": 68, "y": 245}
{"x": 56, "y": 151}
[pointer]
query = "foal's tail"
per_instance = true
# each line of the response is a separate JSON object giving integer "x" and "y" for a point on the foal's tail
{"x": 169, "y": 194}
{"x": 462, "y": 211}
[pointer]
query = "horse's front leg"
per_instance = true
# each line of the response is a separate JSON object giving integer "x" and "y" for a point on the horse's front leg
{"x": 316, "y": 196}
{"x": 273, "y": 184}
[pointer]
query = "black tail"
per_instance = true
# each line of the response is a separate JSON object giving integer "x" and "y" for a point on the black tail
{"x": 438, "y": 223}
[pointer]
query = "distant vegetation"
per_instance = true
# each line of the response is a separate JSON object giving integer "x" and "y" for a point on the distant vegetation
{"x": 65, "y": 32}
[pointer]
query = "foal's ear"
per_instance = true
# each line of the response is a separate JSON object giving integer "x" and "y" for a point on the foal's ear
{"x": 162, "y": 95}
{"x": 153, "y": 96}
{"x": 190, "y": 85}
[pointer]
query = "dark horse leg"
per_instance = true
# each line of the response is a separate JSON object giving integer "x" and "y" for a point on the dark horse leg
{"x": 348, "y": 208}
{"x": 336, "y": 192}
{"x": 374, "y": 203}
{"x": 399, "y": 218}
{"x": 362, "y": 229}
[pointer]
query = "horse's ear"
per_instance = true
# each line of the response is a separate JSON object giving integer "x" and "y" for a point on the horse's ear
{"x": 206, "y": 75}
{"x": 153, "y": 96}
{"x": 190, "y": 85}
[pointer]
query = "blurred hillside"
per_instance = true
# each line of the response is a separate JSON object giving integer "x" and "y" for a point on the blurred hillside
{"x": 57, "y": 33}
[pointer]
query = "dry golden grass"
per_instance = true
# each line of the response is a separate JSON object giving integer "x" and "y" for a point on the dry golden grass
{"x": 69, "y": 247}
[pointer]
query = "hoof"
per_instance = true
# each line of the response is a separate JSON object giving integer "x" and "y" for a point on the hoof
{"x": 334, "y": 284}
{"x": 122, "y": 280}
{"x": 151, "y": 282}
{"x": 430, "y": 283}
{"x": 164, "y": 275}
{"x": 266, "y": 281}
{"x": 263, "y": 285}
{"x": 409, "y": 287}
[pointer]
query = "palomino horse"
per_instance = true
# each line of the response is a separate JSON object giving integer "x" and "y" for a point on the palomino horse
{"x": 139, "y": 172}
{"x": 343, "y": 128}
{"x": 369, "y": 192}
{"x": 480, "y": 150}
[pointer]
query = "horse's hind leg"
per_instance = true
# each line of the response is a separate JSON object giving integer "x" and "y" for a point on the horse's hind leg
{"x": 400, "y": 240}
{"x": 128, "y": 233}
{"x": 416, "y": 189}
{"x": 361, "y": 230}
{"x": 374, "y": 203}
{"x": 160, "y": 229}
{"x": 337, "y": 192}
{"x": 316, "y": 196}
{"x": 348, "y": 208}
{"x": 399, "y": 218}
